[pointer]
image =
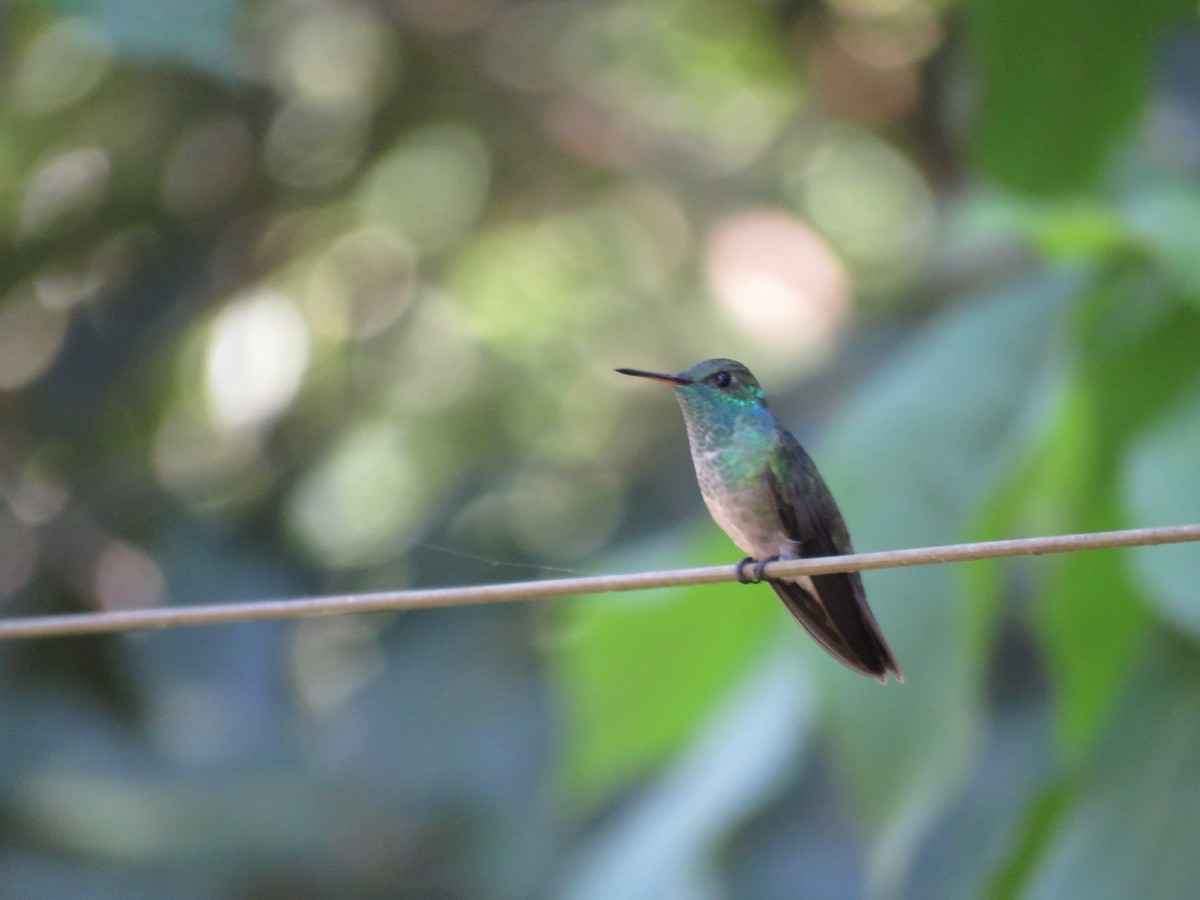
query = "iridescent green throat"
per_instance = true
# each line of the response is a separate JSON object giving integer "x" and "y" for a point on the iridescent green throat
{"x": 735, "y": 435}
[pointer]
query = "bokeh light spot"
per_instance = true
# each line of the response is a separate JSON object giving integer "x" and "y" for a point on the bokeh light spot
{"x": 257, "y": 357}
{"x": 193, "y": 460}
{"x": 870, "y": 202}
{"x": 30, "y": 338}
{"x": 332, "y": 53}
{"x": 701, "y": 79}
{"x": 125, "y": 577}
{"x": 19, "y": 551}
{"x": 314, "y": 143}
{"x": 332, "y": 659}
{"x": 361, "y": 284}
{"x": 778, "y": 281}
{"x": 352, "y": 508}
{"x": 35, "y": 497}
{"x": 513, "y": 280}
{"x": 60, "y": 66}
{"x": 437, "y": 361}
{"x": 67, "y": 189}
{"x": 560, "y": 515}
{"x": 431, "y": 187}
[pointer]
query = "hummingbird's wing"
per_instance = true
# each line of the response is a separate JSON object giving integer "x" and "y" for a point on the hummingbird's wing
{"x": 832, "y": 608}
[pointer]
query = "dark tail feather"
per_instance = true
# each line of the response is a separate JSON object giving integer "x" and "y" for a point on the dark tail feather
{"x": 836, "y": 614}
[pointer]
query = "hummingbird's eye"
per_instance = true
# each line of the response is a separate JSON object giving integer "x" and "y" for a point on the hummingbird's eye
{"x": 722, "y": 379}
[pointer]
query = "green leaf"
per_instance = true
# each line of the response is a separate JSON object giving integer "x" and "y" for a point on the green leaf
{"x": 1160, "y": 478}
{"x": 1134, "y": 830}
{"x": 1056, "y": 491}
{"x": 663, "y": 846}
{"x": 1067, "y": 230}
{"x": 910, "y": 464}
{"x": 639, "y": 674}
{"x": 1135, "y": 353}
{"x": 1059, "y": 83}
{"x": 1041, "y": 821}
{"x": 1164, "y": 219}
{"x": 1092, "y": 619}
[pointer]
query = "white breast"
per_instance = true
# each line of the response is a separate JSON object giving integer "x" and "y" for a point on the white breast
{"x": 739, "y": 513}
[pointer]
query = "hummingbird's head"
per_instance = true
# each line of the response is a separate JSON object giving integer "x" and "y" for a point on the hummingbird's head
{"x": 714, "y": 387}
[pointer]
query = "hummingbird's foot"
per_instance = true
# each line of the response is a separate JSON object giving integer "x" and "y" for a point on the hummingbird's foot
{"x": 759, "y": 565}
{"x": 739, "y": 571}
{"x": 762, "y": 564}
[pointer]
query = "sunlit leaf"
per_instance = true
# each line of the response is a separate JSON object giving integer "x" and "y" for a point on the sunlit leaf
{"x": 1092, "y": 620}
{"x": 639, "y": 673}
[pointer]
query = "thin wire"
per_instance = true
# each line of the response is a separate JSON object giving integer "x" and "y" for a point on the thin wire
{"x": 213, "y": 614}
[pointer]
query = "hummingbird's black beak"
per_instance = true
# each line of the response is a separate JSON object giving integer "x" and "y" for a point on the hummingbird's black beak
{"x": 657, "y": 376}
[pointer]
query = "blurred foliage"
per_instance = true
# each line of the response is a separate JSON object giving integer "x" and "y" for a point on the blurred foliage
{"x": 304, "y": 296}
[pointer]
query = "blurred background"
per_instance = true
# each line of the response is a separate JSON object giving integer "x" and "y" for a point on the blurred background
{"x": 305, "y": 296}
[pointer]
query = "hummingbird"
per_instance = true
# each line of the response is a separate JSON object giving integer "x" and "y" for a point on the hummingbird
{"x": 765, "y": 492}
